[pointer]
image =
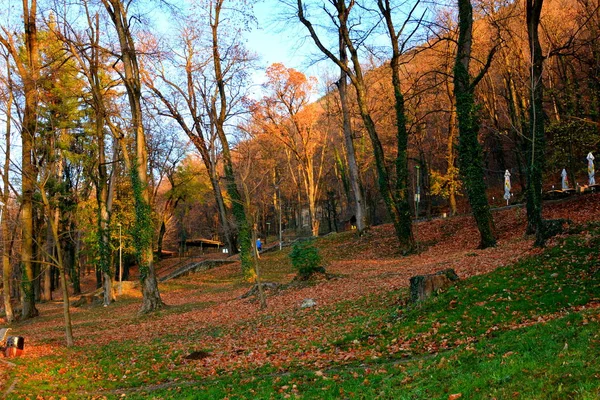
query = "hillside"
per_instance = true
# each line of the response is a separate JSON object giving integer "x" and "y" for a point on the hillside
{"x": 362, "y": 339}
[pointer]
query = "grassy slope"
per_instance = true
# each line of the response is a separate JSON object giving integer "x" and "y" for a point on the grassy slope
{"x": 518, "y": 332}
{"x": 528, "y": 330}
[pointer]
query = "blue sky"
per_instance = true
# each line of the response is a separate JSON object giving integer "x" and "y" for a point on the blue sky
{"x": 279, "y": 42}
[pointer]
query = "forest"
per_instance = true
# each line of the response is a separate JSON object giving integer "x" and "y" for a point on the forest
{"x": 143, "y": 136}
{"x": 124, "y": 141}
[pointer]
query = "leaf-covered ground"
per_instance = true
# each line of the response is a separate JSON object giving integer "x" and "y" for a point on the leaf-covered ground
{"x": 359, "y": 326}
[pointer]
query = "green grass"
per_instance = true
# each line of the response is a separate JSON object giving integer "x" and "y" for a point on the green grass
{"x": 518, "y": 332}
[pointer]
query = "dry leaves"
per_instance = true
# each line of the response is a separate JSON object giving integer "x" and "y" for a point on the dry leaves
{"x": 280, "y": 337}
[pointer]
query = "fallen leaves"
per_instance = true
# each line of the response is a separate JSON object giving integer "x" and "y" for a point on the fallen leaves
{"x": 206, "y": 312}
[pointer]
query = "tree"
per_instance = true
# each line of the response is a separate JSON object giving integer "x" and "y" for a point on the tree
{"x": 362, "y": 221}
{"x": 401, "y": 162}
{"x": 289, "y": 117}
{"x": 51, "y": 211}
{"x": 28, "y": 68}
{"x": 191, "y": 116}
{"x": 469, "y": 149}
{"x": 60, "y": 119}
{"x": 218, "y": 108}
{"x": 536, "y": 140}
{"x": 393, "y": 201}
{"x": 8, "y": 99}
{"x": 138, "y": 170}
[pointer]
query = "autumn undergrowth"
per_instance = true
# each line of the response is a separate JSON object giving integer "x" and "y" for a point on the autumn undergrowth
{"x": 528, "y": 330}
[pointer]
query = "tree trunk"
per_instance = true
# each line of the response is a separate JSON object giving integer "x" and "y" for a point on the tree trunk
{"x": 139, "y": 177}
{"x": 360, "y": 211}
{"x": 218, "y": 118}
{"x": 6, "y": 249}
{"x": 104, "y": 216}
{"x": 58, "y": 260}
{"x": 451, "y": 171}
{"x": 28, "y": 168}
{"x": 6, "y": 265}
{"x": 469, "y": 149}
{"x": 47, "y": 268}
{"x": 400, "y": 194}
{"x": 536, "y": 142}
{"x": 75, "y": 272}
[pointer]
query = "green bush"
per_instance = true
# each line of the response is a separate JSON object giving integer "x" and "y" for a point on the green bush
{"x": 306, "y": 258}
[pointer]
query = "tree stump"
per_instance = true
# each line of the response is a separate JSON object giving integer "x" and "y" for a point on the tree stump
{"x": 423, "y": 286}
{"x": 273, "y": 286}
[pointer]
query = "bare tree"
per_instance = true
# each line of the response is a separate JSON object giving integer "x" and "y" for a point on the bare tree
{"x": 395, "y": 203}
{"x": 183, "y": 102}
{"x": 118, "y": 12}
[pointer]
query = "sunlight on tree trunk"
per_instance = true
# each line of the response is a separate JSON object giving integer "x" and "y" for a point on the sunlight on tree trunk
{"x": 138, "y": 171}
{"x": 6, "y": 249}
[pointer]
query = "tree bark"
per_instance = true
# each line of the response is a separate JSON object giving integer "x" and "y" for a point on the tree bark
{"x": 6, "y": 250}
{"x": 139, "y": 177}
{"x": 536, "y": 142}
{"x": 470, "y": 153}
{"x": 219, "y": 115}
{"x": 362, "y": 223}
{"x": 29, "y": 173}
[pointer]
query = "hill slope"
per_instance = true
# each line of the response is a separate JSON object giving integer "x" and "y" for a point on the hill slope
{"x": 524, "y": 320}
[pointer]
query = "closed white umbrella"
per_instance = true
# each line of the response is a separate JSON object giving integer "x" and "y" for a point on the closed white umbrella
{"x": 591, "y": 172}
{"x": 565, "y": 181}
{"x": 507, "y": 186}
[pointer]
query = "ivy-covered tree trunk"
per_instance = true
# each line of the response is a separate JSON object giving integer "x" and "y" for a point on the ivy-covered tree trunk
{"x": 536, "y": 143}
{"x": 470, "y": 155}
{"x": 219, "y": 115}
{"x": 138, "y": 170}
{"x": 104, "y": 251}
{"x": 401, "y": 189}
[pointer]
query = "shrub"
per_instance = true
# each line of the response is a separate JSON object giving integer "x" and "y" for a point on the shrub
{"x": 306, "y": 258}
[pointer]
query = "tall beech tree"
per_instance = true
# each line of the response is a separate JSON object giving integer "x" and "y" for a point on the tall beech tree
{"x": 470, "y": 154}
{"x": 203, "y": 100}
{"x": 399, "y": 40}
{"x": 182, "y": 99}
{"x": 118, "y": 12}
